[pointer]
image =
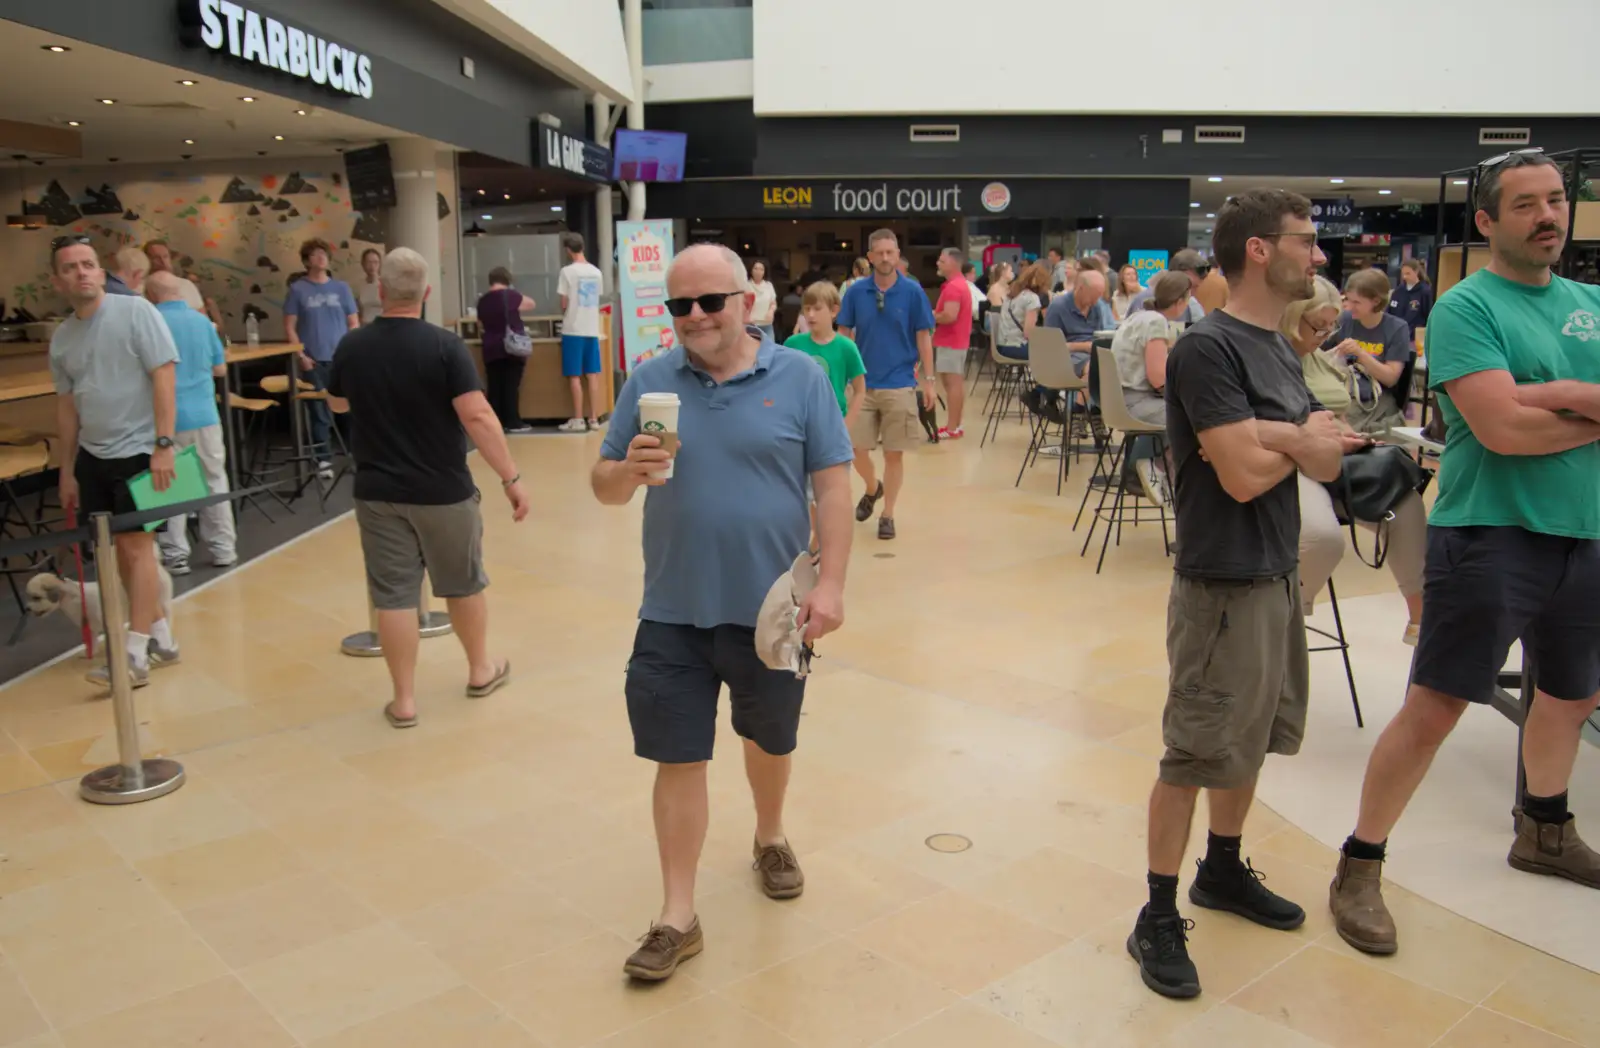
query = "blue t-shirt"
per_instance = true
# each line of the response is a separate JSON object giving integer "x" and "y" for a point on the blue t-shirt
{"x": 887, "y": 337}
{"x": 734, "y": 515}
{"x": 199, "y": 350}
{"x": 1064, "y": 316}
{"x": 324, "y": 311}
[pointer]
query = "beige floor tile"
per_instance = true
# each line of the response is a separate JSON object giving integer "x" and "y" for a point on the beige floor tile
{"x": 1542, "y": 994}
{"x": 220, "y": 1012}
{"x": 200, "y": 811}
{"x": 277, "y": 754}
{"x": 514, "y": 921}
{"x": 1297, "y": 846}
{"x": 76, "y": 909}
{"x": 747, "y": 932}
{"x": 1485, "y": 1029}
{"x": 19, "y": 1017}
{"x": 355, "y": 832}
{"x": 552, "y": 834}
{"x": 44, "y": 1040}
{"x": 416, "y": 765}
{"x": 346, "y": 980}
{"x": 961, "y": 942}
{"x": 492, "y": 790}
{"x": 620, "y": 888}
{"x": 418, "y": 874}
{"x": 706, "y": 1022}
{"x": 1061, "y": 892}
{"x": 840, "y": 996}
{"x": 220, "y": 869}
{"x": 1228, "y": 1027}
{"x": 847, "y": 888}
{"x": 305, "y": 791}
{"x": 282, "y": 916}
{"x": 18, "y": 771}
{"x": 459, "y": 1018}
{"x": 1313, "y": 992}
{"x": 48, "y": 855}
{"x": 966, "y": 1025}
{"x": 29, "y": 811}
{"x": 577, "y": 994}
{"x": 116, "y": 969}
{"x": 1089, "y": 993}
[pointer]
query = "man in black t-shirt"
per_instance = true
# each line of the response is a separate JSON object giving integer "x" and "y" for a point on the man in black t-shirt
{"x": 1241, "y": 424}
{"x": 414, "y": 397}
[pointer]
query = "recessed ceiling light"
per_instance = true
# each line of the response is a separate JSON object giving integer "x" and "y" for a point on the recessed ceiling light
{"x": 299, "y": 112}
{"x": 1460, "y": 182}
{"x": 508, "y": 196}
{"x": 57, "y": 48}
{"x": 247, "y": 98}
{"x": 1211, "y": 214}
{"x": 481, "y": 192}
{"x": 108, "y": 101}
{"x": 277, "y": 138}
{"x": 1208, "y": 231}
{"x": 1336, "y": 181}
{"x": 487, "y": 218}
{"x": 74, "y": 123}
{"x": 555, "y": 207}
{"x": 188, "y": 141}
{"x": 1194, "y": 203}
{"x": 1214, "y": 178}
{"x": 1385, "y": 192}
{"x": 187, "y": 83}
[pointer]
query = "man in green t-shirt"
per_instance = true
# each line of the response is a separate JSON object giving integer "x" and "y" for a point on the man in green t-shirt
{"x": 835, "y": 354}
{"x": 1514, "y": 546}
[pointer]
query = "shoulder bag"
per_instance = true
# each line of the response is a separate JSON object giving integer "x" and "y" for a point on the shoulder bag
{"x": 1372, "y": 482}
{"x": 518, "y": 343}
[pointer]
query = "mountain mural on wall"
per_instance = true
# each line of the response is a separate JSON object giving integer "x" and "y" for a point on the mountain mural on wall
{"x": 240, "y": 193}
{"x": 102, "y": 201}
{"x": 56, "y": 206}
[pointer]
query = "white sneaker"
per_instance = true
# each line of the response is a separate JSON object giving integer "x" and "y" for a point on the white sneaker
{"x": 595, "y": 425}
{"x": 325, "y": 470}
{"x": 574, "y": 425}
{"x": 1154, "y": 481}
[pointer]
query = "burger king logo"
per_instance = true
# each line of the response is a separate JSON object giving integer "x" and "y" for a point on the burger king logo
{"x": 996, "y": 197}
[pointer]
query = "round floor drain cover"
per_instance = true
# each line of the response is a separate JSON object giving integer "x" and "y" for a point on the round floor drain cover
{"x": 949, "y": 843}
{"x": 883, "y": 556}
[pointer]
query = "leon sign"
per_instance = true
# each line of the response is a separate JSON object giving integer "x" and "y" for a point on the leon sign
{"x": 229, "y": 28}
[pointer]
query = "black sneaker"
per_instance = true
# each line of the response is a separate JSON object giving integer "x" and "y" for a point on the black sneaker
{"x": 868, "y": 502}
{"x": 1242, "y": 892}
{"x": 1160, "y": 944}
{"x": 886, "y": 527}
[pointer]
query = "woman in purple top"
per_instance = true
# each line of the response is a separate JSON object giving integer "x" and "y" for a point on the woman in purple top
{"x": 499, "y": 311}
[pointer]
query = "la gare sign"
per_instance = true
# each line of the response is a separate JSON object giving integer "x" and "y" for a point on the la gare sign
{"x": 229, "y": 28}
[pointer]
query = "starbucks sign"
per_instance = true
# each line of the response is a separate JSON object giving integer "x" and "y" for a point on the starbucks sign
{"x": 233, "y": 29}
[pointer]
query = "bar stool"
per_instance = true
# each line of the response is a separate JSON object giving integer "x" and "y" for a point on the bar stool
{"x": 1341, "y": 645}
{"x": 303, "y": 399}
{"x": 1114, "y": 412}
{"x": 251, "y": 469}
{"x": 18, "y": 461}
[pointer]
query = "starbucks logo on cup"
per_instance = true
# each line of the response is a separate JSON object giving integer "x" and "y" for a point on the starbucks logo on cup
{"x": 996, "y": 197}
{"x": 654, "y": 428}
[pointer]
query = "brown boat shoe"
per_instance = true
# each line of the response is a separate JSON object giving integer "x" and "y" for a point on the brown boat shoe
{"x": 1555, "y": 850}
{"x": 662, "y": 949}
{"x": 1359, "y": 913}
{"x": 780, "y": 871}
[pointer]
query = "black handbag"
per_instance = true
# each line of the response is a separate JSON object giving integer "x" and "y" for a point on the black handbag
{"x": 1372, "y": 482}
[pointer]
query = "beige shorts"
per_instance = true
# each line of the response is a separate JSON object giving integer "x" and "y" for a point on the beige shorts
{"x": 888, "y": 417}
{"x": 1240, "y": 679}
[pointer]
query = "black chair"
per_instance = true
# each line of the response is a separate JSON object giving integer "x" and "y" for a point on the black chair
{"x": 1341, "y": 645}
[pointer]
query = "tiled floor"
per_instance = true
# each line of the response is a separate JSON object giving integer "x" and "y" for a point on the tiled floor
{"x": 326, "y": 881}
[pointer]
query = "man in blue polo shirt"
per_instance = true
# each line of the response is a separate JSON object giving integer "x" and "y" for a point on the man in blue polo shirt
{"x": 890, "y": 320}
{"x": 755, "y": 422}
{"x": 1080, "y": 314}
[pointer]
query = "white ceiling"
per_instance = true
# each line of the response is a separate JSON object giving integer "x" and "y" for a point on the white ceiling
{"x": 153, "y": 113}
{"x": 1364, "y": 191}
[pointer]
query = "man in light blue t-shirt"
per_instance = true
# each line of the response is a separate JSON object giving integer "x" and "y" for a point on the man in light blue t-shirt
{"x": 317, "y": 313}
{"x": 201, "y": 360}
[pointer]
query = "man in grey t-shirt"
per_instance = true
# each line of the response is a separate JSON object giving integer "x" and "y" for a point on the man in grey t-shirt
{"x": 114, "y": 365}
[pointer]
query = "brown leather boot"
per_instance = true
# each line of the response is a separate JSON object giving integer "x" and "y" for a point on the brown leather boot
{"x": 1359, "y": 913}
{"x": 1554, "y": 849}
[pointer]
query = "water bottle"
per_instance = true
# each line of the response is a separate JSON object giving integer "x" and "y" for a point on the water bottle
{"x": 252, "y": 330}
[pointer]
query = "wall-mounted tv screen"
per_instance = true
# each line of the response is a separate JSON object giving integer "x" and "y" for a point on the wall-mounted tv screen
{"x": 371, "y": 178}
{"x": 648, "y": 156}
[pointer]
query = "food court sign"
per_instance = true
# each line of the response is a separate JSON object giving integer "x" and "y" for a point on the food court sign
{"x": 233, "y": 29}
{"x": 885, "y": 198}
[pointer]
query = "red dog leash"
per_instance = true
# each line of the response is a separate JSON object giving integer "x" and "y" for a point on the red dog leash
{"x": 83, "y": 598}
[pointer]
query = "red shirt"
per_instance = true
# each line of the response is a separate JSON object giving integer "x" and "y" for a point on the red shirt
{"x": 958, "y": 333}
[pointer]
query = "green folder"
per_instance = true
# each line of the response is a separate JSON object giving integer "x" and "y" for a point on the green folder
{"x": 188, "y": 482}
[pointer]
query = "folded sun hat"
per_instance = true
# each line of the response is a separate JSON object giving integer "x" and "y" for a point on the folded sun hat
{"x": 780, "y": 641}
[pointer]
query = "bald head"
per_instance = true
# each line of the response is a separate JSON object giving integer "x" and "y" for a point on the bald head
{"x": 703, "y": 260}
{"x": 1090, "y": 288}
{"x": 163, "y": 286}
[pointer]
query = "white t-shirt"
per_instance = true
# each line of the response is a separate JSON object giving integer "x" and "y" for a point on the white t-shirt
{"x": 766, "y": 303}
{"x": 580, "y": 286}
{"x": 978, "y": 301}
{"x": 371, "y": 304}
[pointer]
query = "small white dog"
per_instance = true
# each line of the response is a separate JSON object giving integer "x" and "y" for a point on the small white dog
{"x": 46, "y": 593}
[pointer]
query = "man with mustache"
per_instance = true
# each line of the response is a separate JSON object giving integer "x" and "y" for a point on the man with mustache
{"x": 1242, "y": 424}
{"x": 1513, "y": 540}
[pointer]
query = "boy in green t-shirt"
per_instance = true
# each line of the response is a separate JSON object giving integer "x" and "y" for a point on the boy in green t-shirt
{"x": 835, "y": 354}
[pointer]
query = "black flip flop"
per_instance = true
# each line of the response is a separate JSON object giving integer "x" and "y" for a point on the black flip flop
{"x": 501, "y": 678}
{"x": 398, "y": 722}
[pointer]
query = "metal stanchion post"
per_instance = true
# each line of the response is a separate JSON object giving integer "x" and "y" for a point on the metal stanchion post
{"x": 365, "y": 644}
{"x": 133, "y": 779}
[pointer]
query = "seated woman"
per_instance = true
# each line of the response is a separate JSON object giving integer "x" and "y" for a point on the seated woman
{"x": 1307, "y": 324}
{"x": 1140, "y": 348}
{"x": 1019, "y": 314}
{"x": 1377, "y": 347}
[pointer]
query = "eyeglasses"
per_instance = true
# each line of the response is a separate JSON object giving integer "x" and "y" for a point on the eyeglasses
{"x": 715, "y": 302}
{"x": 1320, "y": 330}
{"x": 880, "y": 300}
{"x": 1309, "y": 239}
{"x": 67, "y": 241}
{"x": 1496, "y": 161}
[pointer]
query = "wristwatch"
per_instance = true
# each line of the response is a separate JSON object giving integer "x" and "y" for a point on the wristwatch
{"x": 166, "y": 442}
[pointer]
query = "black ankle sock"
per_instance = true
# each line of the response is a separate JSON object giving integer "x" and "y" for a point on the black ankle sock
{"x": 1360, "y": 849}
{"x": 1546, "y": 809}
{"x": 1163, "y": 893}
{"x": 1222, "y": 853}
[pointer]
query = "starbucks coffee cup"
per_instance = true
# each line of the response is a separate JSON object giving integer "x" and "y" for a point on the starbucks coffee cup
{"x": 658, "y": 417}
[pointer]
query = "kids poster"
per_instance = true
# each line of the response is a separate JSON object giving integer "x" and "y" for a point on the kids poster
{"x": 644, "y": 251}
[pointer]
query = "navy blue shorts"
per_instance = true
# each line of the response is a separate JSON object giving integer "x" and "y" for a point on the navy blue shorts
{"x": 1486, "y": 587}
{"x": 580, "y": 355}
{"x": 675, "y": 676}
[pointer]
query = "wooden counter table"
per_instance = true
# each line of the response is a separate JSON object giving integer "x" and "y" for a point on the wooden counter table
{"x": 546, "y": 395}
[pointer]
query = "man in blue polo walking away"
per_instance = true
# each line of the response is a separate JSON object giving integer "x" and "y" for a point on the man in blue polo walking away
{"x": 756, "y": 421}
{"x": 891, "y": 322}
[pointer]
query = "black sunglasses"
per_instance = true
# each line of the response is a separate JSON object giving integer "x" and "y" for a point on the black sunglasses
{"x": 880, "y": 300}
{"x": 715, "y": 302}
{"x": 67, "y": 241}
{"x": 1496, "y": 161}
